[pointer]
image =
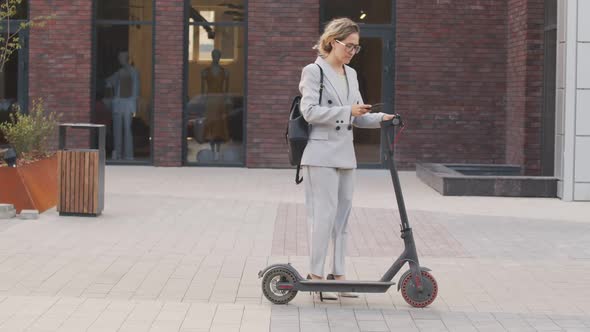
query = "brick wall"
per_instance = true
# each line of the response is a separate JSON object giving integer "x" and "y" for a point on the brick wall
{"x": 468, "y": 76}
{"x": 468, "y": 80}
{"x": 524, "y": 79}
{"x": 168, "y": 83}
{"x": 281, "y": 34}
{"x": 60, "y": 61}
{"x": 450, "y": 80}
{"x": 60, "y": 69}
{"x": 450, "y": 83}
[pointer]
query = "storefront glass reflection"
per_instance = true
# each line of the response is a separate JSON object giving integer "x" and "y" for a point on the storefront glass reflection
{"x": 215, "y": 101}
{"x": 123, "y": 100}
{"x": 125, "y": 10}
{"x": 226, "y": 11}
{"x": 9, "y": 86}
{"x": 13, "y": 77}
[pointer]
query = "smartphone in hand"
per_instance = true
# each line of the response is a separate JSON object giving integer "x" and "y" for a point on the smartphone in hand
{"x": 376, "y": 108}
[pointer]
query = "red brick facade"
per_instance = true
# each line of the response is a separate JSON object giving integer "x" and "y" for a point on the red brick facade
{"x": 451, "y": 80}
{"x": 468, "y": 76}
{"x": 168, "y": 83}
{"x": 280, "y": 37}
{"x": 524, "y": 80}
{"x": 60, "y": 61}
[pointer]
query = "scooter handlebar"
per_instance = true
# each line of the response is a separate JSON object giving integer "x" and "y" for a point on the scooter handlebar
{"x": 396, "y": 121}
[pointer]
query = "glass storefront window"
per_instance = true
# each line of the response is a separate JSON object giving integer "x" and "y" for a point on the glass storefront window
{"x": 8, "y": 90}
{"x": 367, "y": 11}
{"x": 22, "y": 11}
{"x": 226, "y": 41}
{"x": 223, "y": 11}
{"x": 13, "y": 76}
{"x": 123, "y": 79}
{"x": 125, "y": 10}
{"x": 214, "y": 109}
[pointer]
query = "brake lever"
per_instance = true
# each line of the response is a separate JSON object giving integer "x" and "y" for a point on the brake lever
{"x": 396, "y": 121}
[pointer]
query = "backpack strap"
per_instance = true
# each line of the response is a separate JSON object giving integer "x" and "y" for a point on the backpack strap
{"x": 321, "y": 82}
{"x": 296, "y": 101}
{"x": 298, "y": 178}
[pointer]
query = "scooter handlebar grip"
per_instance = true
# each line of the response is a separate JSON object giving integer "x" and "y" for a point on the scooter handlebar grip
{"x": 397, "y": 120}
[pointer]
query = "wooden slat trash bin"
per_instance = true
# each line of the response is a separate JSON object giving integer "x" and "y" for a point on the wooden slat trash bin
{"x": 81, "y": 173}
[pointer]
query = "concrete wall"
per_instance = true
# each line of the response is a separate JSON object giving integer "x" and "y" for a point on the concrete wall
{"x": 572, "y": 141}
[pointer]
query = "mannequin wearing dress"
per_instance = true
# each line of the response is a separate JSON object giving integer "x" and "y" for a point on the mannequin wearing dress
{"x": 214, "y": 85}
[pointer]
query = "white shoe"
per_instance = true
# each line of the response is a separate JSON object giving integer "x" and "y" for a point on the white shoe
{"x": 348, "y": 294}
{"x": 330, "y": 296}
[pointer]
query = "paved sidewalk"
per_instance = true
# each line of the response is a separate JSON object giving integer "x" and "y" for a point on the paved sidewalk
{"x": 178, "y": 249}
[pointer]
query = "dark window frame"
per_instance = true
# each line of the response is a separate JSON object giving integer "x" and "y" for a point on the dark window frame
{"x": 96, "y": 23}
{"x": 185, "y": 98}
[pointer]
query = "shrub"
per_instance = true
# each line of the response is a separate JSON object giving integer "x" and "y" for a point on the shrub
{"x": 31, "y": 134}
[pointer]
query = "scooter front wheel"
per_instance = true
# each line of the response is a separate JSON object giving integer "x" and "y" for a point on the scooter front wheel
{"x": 413, "y": 296}
{"x": 270, "y": 286}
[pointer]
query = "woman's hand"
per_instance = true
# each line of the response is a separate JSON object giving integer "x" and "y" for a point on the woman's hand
{"x": 360, "y": 109}
{"x": 388, "y": 117}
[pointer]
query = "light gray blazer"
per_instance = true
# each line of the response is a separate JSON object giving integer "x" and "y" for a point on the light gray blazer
{"x": 330, "y": 141}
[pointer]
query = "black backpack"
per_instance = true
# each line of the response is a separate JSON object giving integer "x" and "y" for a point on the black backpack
{"x": 298, "y": 131}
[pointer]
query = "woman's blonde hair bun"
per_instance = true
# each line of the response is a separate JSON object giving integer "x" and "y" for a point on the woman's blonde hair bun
{"x": 336, "y": 29}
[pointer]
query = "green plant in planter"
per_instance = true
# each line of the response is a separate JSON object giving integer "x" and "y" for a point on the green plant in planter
{"x": 31, "y": 134}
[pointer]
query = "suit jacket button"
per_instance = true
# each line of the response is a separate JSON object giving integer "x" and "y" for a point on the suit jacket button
{"x": 329, "y": 101}
{"x": 337, "y": 127}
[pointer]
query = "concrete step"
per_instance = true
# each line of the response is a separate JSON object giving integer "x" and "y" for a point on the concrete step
{"x": 7, "y": 211}
{"x": 29, "y": 214}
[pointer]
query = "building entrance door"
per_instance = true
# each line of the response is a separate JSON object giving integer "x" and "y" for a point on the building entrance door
{"x": 376, "y": 73}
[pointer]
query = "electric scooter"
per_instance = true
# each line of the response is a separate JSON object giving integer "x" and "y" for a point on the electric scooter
{"x": 281, "y": 282}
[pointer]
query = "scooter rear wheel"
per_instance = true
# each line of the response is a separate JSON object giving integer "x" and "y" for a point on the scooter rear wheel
{"x": 270, "y": 289}
{"x": 414, "y": 297}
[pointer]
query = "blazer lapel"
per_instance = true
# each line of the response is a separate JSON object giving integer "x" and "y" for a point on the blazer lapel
{"x": 330, "y": 76}
{"x": 351, "y": 95}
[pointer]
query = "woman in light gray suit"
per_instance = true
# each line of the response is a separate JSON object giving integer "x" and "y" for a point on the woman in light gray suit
{"x": 329, "y": 159}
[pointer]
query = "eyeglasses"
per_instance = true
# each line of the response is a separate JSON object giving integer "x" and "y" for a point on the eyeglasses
{"x": 350, "y": 47}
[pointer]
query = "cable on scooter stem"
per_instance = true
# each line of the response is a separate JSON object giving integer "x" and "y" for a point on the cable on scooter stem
{"x": 394, "y": 141}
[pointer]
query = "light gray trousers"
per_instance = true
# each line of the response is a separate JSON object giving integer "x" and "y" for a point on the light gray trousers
{"x": 123, "y": 110}
{"x": 328, "y": 199}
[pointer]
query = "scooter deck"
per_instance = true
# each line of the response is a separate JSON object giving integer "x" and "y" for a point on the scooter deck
{"x": 355, "y": 286}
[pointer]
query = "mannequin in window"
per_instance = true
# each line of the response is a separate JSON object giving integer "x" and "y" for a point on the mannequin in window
{"x": 215, "y": 85}
{"x": 125, "y": 84}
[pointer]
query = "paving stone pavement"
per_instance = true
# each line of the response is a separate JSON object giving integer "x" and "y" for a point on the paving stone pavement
{"x": 179, "y": 249}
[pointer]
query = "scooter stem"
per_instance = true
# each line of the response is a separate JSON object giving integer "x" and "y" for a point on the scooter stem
{"x": 409, "y": 254}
